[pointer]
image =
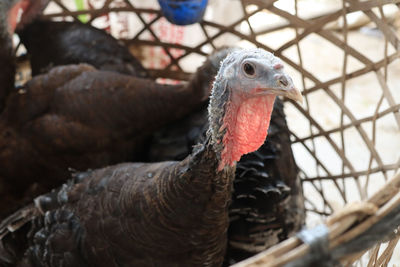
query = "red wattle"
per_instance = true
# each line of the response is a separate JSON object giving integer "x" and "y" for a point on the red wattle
{"x": 12, "y": 18}
{"x": 13, "y": 14}
{"x": 248, "y": 132}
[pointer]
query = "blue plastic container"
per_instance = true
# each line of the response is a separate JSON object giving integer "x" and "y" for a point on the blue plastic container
{"x": 183, "y": 12}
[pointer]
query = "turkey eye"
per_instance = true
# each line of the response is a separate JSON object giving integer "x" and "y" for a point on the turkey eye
{"x": 249, "y": 69}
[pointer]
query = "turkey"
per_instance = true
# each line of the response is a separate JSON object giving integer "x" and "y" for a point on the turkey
{"x": 267, "y": 203}
{"x": 7, "y": 73}
{"x": 9, "y": 14}
{"x": 74, "y": 43}
{"x": 78, "y": 117}
{"x": 172, "y": 213}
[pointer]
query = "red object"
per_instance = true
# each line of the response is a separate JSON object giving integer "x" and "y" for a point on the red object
{"x": 13, "y": 14}
{"x": 242, "y": 137}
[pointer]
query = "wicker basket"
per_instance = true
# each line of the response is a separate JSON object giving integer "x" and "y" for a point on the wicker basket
{"x": 346, "y": 139}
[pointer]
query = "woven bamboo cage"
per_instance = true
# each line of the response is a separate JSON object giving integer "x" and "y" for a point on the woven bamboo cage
{"x": 345, "y": 55}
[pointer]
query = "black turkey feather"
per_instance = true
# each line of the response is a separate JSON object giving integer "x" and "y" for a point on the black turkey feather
{"x": 171, "y": 213}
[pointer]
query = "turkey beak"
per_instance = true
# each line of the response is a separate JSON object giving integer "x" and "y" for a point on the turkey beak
{"x": 294, "y": 94}
{"x": 286, "y": 88}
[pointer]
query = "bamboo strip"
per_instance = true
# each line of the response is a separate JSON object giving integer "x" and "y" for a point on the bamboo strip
{"x": 387, "y": 199}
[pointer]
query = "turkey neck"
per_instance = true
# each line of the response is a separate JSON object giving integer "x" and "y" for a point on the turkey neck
{"x": 204, "y": 177}
{"x": 7, "y": 61}
{"x": 209, "y": 170}
{"x": 195, "y": 195}
{"x": 197, "y": 187}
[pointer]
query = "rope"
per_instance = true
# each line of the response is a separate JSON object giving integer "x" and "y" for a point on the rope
{"x": 318, "y": 240}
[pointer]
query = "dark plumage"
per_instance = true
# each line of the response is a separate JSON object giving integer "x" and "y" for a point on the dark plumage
{"x": 78, "y": 117}
{"x": 9, "y": 10}
{"x": 267, "y": 201}
{"x": 7, "y": 60}
{"x": 73, "y": 43}
{"x": 155, "y": 214}
{"x": 7, "y": 72}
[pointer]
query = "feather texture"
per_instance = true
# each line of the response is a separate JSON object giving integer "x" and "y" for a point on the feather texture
{"x": 73, "y": 43}
{"x": 172, "y": 213}
{"x": 78, "y": 117}
{"x": 7, "y": 60}
{"x": 267, "y": 203}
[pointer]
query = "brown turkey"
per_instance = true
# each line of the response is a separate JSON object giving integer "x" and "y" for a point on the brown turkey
{"x": 156, "y": 214}
{"x": 78, "y": 117}
{"x": 267, "y": 203}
